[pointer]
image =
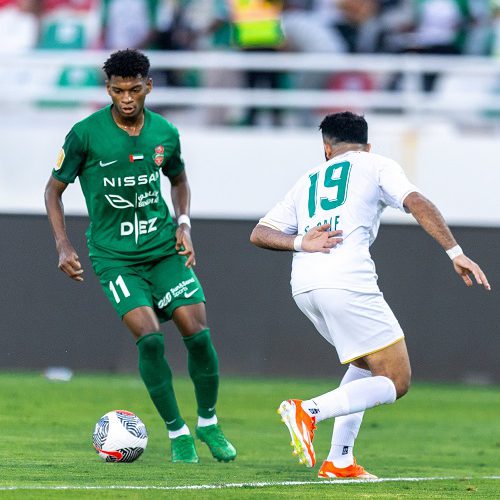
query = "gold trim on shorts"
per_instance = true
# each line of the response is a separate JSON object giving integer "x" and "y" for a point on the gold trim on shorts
{"x": 372, "y": 352}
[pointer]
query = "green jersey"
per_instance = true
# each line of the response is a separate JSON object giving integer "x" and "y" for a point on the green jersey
{"x": 120, "y": 179}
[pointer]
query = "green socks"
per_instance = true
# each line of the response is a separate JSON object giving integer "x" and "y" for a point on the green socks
{"x": 203, "y": 368}
{"x": 157, "y": 376}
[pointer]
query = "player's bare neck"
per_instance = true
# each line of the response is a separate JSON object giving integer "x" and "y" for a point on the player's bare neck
{"x": 345, "y": 147}
{"x": 132, "y": 126}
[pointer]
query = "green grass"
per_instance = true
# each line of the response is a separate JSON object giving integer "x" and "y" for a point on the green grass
{"x": 435, "y": 431}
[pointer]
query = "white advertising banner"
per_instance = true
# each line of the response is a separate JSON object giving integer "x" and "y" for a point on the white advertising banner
{"x": 240, "y": 173}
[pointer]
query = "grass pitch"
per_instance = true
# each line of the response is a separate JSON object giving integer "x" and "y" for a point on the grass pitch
{"x": 447, "y": 435}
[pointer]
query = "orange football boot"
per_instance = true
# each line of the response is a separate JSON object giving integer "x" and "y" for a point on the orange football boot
{"x": 301, "y": 427}
{"x": 354, "y": 471}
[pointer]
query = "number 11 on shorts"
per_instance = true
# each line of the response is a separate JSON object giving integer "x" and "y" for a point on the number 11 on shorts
{"x": 120, "y": 283}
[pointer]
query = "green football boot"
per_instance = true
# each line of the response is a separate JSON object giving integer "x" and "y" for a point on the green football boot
{"x": 183, "y": 450}
{"x": 221, "y": 449}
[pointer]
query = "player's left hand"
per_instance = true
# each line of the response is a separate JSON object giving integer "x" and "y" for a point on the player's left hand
{"x": 184, "y": 245}
{"x": 321, "y": 239}
{"x": 464, "y": 267}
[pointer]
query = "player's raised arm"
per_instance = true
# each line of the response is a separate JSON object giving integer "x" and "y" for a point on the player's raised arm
{"x": 318, "y": 239}
{"x": 430, "y": 218}
{"x": 68, "y": 258}
{"x": 181, "y": 199}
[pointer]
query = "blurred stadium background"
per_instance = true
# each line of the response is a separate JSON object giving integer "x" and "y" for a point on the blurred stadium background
{"x": 247, "y": 82}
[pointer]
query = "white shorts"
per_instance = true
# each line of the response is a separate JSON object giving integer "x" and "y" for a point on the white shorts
{"x": 356, "y": 323}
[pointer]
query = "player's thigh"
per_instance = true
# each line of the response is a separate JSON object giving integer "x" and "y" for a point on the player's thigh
{"x": 173, "y": 285}
{"x": 190, "y": 319}
{"x": 306, "y": 303}
{"x": 141, "y": 321}
{"x": 126, "y": 288}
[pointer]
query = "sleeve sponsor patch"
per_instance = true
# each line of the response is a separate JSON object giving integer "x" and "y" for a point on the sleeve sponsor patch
{"x": 60, "y": 159}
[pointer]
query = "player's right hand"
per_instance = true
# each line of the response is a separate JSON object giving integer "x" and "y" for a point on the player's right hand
{"x": 69, "y": 262}
{"x": 320, "y": 239}
{"x": 464, "y": 267}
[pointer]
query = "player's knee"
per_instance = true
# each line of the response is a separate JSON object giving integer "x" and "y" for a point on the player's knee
{"x": 151, "y": 346}
{"x": 193, "y": 327}
{"x": 198, "y": 342}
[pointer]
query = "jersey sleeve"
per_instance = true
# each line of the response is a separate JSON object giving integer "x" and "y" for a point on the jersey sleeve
{"x": 175, "y": 164}
{"x": 283, "y": 216}
{"x": 70, "y": 160}
{"x": 394, "y": 185}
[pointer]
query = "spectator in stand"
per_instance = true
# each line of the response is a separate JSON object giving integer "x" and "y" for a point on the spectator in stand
{"x": 495, "y": 39}
{"x": 363, "y": 25}
{"x": 307, "y": 31}
{"x": 149, "y": 24}
{"x": 19, "y": 25}
{"x": 129, "y": 23}
{"x": 374, "y": 33}
{"x": 438, "y": 27}
{"x": 478, "y": 37}
{"x": 216, "y": 34}
{"x": 352, "y": 16}
{"x": 174, "y": 26}
{"x": 69, "y": 24}
{"x": 256, "y": 27}
{"x": 173, "y": 31}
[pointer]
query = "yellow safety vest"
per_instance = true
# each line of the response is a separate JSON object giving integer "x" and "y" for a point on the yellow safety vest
{"x": 256, "y": 23}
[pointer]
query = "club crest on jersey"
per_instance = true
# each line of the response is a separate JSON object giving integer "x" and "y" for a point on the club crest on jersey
{"x": 159, "y": 155}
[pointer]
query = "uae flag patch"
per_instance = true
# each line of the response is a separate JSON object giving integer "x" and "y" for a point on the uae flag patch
{"x": 136, "y": 157}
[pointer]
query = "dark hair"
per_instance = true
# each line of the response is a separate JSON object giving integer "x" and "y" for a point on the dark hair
{"x": 344, "y": 127}
{"x": 128, "y": 63}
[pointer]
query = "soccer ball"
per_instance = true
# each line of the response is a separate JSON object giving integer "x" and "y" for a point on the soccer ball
{"x": 120, "y": 436}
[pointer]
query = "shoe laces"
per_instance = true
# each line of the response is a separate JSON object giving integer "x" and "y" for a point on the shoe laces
{"x": 183, "y": 443}
{"x": 217, "y": 436}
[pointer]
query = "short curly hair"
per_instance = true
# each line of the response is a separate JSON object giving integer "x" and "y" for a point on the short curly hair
{"x": 128, "y": 63}
{"x": 344, "y": 127}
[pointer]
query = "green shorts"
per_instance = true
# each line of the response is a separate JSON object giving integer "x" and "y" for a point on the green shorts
{"x": 163, "y": 285}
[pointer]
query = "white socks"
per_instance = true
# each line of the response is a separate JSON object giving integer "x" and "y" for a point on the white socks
{"x": 346, "y": 428}
{"x": 205, "y": 422}
{"x": 352, "y": 397}
{"x": 357, "y": 392}
{"x": 184, "y": 430}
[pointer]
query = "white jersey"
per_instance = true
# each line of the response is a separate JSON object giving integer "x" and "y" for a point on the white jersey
{"x": 349, "y": 192}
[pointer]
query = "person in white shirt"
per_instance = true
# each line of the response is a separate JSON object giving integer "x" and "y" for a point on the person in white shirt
{"x": 329, "y": 219}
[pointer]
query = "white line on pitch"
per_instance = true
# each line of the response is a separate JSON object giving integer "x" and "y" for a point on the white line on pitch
{"x": 265, "y": 484}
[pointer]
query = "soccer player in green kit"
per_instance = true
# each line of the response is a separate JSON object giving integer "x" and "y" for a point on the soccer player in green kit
{"x": 142, "y": 258}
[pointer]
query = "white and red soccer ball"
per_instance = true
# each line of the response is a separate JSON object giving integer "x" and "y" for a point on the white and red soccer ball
{"x": 120, "y": 436}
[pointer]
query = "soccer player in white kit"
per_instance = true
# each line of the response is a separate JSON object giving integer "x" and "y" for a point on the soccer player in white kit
{"x": 329, "y": 219}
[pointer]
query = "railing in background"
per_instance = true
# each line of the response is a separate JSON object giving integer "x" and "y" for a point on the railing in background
{"x": 467, "y": 84}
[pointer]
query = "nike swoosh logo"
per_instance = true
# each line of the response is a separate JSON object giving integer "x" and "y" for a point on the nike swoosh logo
{"x": 116, "y": 454}
{"x": 190, "y": 294}
{"x": 106, "y": 164}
